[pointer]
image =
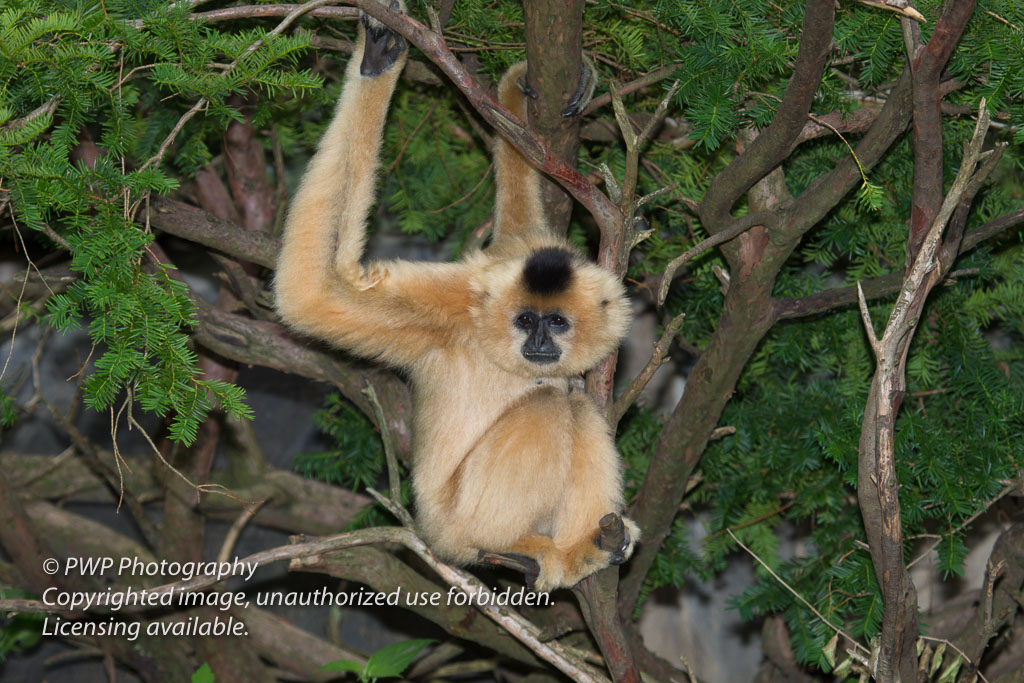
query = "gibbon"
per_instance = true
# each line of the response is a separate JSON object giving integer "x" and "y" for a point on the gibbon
{"x": 507, "y": 457}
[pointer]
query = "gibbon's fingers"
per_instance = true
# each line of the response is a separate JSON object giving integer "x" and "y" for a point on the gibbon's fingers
{"x": 383, "y": 45}
{"x": 585, "y": 91}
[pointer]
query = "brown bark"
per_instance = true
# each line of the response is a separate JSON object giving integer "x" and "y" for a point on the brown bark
{"x": 19, "y": 540}
{"x": 294, "y": 503}
{"x": 384, "y": 572}
{"x": 877, "y": 479}
{"x": 598, "y": 597}
{"x": 270, "y": 345}
{"x": 291, "y": 648}
{"x": 554, "y": 54}
{"x": 927, "y": 64}
{"x": 999, "y": 602}
{"x": 746, "y": 315}
{"x": 779, "y": 665}
{"x": 200, "y": 226}
{"x": 887, "y": 285}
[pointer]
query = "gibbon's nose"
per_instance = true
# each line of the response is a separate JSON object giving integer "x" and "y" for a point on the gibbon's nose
{"x": 540, "y": 346}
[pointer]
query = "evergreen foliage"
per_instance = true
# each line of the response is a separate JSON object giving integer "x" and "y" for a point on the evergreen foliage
{"x": 122, "y": 73}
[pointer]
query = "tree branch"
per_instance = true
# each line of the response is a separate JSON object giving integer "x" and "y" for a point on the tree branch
{"x": 878, "y": 485}
{"x": 885, "y": 285}
{"x": 605, "y": 213}
{"x": 773, "y": 145}
{"x": 658, "y": 357}
{"x": 191, "y": 223}
{"x": 926, "y": 67}
{"x": 738, "y": 227}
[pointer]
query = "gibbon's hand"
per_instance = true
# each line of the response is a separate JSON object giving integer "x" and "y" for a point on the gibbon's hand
{"x": 383, "y": 45}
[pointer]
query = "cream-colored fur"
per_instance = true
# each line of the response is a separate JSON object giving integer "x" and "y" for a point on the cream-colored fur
{"x": 507, "y": 458}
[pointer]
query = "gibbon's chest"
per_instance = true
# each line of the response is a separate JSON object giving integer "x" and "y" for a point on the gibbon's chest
{"x": 458, "y": 396}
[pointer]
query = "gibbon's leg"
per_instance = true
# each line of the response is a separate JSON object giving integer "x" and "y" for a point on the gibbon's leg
{"x": 537, "y": 484}
{"x": 506, "y": 487}
{"x": 593, "y": 489}
{"x": 394, "y": 311}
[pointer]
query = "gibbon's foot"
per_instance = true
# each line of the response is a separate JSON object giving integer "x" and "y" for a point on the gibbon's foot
{"x": 520, "y": 563}
{"x": 585, "y": 90}
{"x": 383, "y": 46}
{"x": 615, "y": 538}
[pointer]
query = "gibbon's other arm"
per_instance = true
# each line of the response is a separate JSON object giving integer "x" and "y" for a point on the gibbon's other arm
{"x": 518, "y": 210}
{"x": 394, "y": 311}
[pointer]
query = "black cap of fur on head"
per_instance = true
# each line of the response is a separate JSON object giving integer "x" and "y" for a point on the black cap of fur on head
{"x": 548, "y": 271}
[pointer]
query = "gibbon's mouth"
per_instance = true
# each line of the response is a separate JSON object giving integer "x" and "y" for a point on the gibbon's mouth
{"x": 541, "y": 357}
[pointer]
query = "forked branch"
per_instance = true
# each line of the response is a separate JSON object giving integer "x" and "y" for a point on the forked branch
{"x": 878, "y": 485}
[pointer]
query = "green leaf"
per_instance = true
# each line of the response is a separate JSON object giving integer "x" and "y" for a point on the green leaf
{"x": 391, "y": 661}
{"x": 203, "y": 674}
{"x": 21, "y": 631}
{"x": 343, "y": 665}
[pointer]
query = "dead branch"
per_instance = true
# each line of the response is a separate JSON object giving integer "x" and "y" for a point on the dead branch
{"x": 877, "y": 481}
{"x": 658, "y": 357}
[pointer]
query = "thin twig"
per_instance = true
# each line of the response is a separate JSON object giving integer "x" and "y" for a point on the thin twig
{"x": 199, "y": 488}
{"x": 647, "y": 79}
{"x": 658, "y": 358}
{"x": 44, "y": 109}
{"x": 967, "y": 522}
{"x": 480, "y": 595}
{"x": 960, "y": 652}
{"x": 865, "y": 315}
{"x": 739, "y": 226}
{"x": 248, "y": 512}
{"x": 999, "y": 18}
{"x": 255, "y": 45}
{"x": 798, "y": 596}
{"x": 394, "y": 477}
{"x": 17, "y": 318}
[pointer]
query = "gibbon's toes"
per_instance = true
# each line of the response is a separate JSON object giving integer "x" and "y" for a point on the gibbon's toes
{"x": 617, "y": 536}
{"x": 619, "y": 555}
{"x": 632, "y": 533}
{"x": 525, "y": 564}
{"x": 614, "y": 538}
{"x": 585, "y": 90}
{"x": 383, "y": 46}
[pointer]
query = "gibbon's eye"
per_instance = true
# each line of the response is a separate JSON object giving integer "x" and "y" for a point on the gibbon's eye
{"x": 526, "y": 321}
{"x": 557, "y": 323}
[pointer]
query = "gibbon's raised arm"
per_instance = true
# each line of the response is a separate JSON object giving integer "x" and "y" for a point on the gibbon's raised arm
{"x": 518, "y": 210}
{"x": 394, "y": 311}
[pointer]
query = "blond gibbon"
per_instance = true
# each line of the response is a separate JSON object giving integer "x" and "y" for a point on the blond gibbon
{"x": 508, "y": 457}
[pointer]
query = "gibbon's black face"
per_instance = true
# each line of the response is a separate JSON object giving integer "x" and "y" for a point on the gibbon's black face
{"x": 548, "y": 272}
{"x": 540, "y": 345}
{"x": 549, "y": 313}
